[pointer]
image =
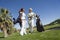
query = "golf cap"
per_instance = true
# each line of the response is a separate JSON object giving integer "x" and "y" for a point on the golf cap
{"x": 30, "y": 9}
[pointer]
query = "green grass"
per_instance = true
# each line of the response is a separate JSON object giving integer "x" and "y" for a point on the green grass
{"x": 51, "y": 26}
{"x": 46, "y": 35}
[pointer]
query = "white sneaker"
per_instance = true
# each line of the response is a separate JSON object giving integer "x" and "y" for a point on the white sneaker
{"x": 21, "y": 34}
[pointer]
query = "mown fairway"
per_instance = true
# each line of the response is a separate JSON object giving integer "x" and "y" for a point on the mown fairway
{"x": 46, "y": 35}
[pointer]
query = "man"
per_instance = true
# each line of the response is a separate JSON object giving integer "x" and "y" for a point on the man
{"x": 31, "y": 17}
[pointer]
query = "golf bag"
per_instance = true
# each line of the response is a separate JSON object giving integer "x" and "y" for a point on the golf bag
{"x": 39, "y": 24}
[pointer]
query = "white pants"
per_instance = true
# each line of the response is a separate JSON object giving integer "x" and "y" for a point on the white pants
{"x": 31, "y": 25}
{"x": 23, "y": 29}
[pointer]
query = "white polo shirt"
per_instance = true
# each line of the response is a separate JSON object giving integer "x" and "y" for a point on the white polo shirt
{"x": 32, "y": 14}
{"x": 23, "y": 15}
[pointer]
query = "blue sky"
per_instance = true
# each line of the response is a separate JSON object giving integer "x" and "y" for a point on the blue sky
{"x": 49, "y": 10}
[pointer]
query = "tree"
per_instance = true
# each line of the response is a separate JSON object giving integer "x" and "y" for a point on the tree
{"x": 5, "y": 20}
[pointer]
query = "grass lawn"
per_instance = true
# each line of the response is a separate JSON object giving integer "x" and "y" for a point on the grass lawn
{"x": 46, "y": 35}
{"x": 51, "y": 26}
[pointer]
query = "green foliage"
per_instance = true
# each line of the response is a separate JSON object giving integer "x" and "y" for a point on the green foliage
{"x": 55, "y": 22}
{"x": 5, "y": 18}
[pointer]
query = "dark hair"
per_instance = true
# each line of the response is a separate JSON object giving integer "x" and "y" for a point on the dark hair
{"x": 21, "y": 10}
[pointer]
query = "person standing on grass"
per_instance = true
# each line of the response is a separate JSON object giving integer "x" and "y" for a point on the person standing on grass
{"x": 31, "y": 16}
{"x": 23, "y": 19}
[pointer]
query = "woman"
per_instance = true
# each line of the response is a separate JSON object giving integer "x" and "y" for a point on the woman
{"x": 23, "y": 19}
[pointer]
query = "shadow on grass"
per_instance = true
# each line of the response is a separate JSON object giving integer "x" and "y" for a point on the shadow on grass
{"x": 1, "y": 37}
